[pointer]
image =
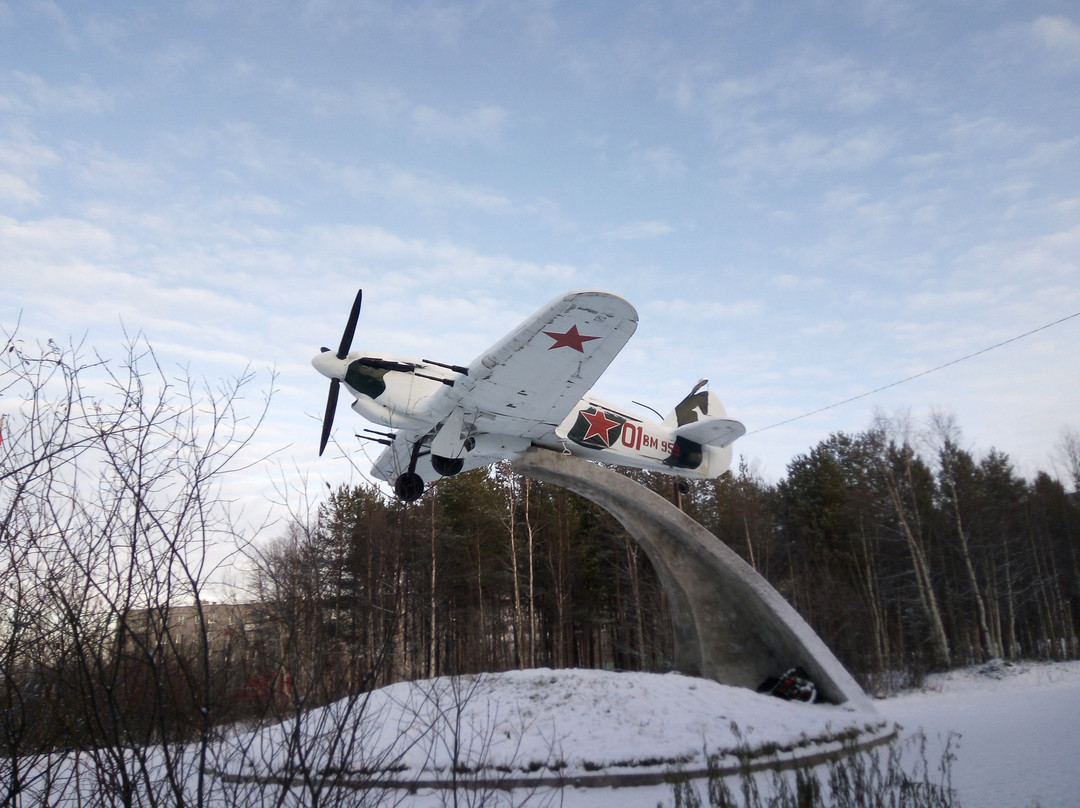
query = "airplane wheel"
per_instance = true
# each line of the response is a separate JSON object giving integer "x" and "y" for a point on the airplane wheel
{"x": 446, "y": 466}
{"x": 683, "y": 486}
{"x": 409, "y": 487}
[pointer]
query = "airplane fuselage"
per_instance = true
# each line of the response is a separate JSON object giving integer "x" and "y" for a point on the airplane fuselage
{"x": 607, "y": 433}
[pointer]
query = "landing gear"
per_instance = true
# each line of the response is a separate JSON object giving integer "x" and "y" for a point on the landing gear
{"x": 409, "y": 487}
{"x": 446, "y": 466}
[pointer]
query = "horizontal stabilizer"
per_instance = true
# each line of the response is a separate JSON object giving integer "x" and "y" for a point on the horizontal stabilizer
{"x": 710, "y": 431}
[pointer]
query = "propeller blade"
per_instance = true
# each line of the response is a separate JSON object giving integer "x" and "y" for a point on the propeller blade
{"x": 328, "y": 418}
{"x": 350, "y": 326}
{"x": 335, "y": 384}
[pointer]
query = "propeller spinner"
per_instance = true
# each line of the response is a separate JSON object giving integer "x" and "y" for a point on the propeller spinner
{"x": 335, "y": 384}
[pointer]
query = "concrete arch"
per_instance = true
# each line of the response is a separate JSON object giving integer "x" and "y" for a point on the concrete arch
{"x": 730, "y": 624}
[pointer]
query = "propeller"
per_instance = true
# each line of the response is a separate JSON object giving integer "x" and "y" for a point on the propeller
{"x": 335, "y": 384}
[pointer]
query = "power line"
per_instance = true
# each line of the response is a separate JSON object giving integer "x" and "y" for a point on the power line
{"x": 918, "y": 375}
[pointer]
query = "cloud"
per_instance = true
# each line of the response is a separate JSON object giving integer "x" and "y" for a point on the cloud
{"x": 1046, "y": 261}
{"x": 633, "y": 231}
{"x": 21, "y": 157}
{"x": 895, "y": 15}
{"x": 435, "y": 192}
{"x": 969, "y": 134}
{"x": 228, "y": 149}
{"x": 826, "y": 328}
{"x": 800, "y": 82}
{"x": 803, "y": 115}
{"x": 247, "y": 204}
{"x": 53, "y": 238}
{"x": 29, "y": 94}
{"x": 426, "y": 260}
{"x": 68, "y": 276}
{"x": 104, "y": 172}
{"x": 839, "y": 83}
{"x": 385, "y": 106}
{"x": 787, "y": 281}
{"x": 443, "y": 24}
{"x": 1047, "y": 154}
{"x": 17, "y": 191}
{"x": 48, "y": 10}
{"x": 1059, "y": 37}
{"x": 104, "y": 31}
{"x": 485, "y": 124}
{"x": 802, "y": 153}
{"x": 173, "y": 60}
{"x": 392, "y": 108}
{"x": 704, "y": 311}
{"x": 424, "y": 191}
{"x": 661, "y": 163}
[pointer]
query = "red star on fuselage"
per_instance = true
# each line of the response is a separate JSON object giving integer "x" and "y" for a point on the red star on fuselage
{"x": 599, "y": 425}
{"x": 571, "y": 339}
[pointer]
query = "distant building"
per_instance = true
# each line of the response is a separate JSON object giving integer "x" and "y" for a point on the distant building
{"x": 234, "y": 635}
{"x": 228, "y": 629}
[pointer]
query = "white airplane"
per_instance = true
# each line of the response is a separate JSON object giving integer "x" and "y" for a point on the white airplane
{"x": 531, "y": 388}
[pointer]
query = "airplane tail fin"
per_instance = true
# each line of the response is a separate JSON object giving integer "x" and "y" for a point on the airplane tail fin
{"x": 701, "y": 418}
{"x": 695, "y": 406}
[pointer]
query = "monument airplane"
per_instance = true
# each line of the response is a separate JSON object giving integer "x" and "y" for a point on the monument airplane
{"x": 531, "y": 388}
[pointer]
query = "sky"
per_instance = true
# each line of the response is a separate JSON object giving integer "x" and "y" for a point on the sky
{"x": 805, "y": 202}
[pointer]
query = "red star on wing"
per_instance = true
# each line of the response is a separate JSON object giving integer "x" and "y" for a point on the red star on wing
{"x": 599, "y": 425}
{"x": 571, "y": 339}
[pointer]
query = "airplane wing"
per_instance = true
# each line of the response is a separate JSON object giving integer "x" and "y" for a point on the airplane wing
{"x": 528, "y": 382}
{"x": 522, "y": 387}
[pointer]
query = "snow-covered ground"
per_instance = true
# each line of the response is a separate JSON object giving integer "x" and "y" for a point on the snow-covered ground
{"x": 541, "y": 726}
{"x": 1019, "y": 744}
{"x": 567, "y": 723}
{"x": 1019, "y": 726}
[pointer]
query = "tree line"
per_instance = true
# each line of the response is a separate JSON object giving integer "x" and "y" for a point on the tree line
{"x": 489, "y": 571}
{"x": 905, "y": 560}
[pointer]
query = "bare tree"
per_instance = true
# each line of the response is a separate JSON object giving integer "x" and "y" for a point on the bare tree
{"x": 957, "y": 467}
{"x": 909, "y": 489}
{"x": 111, "y": 477}
{"x": 1068, "y": 450}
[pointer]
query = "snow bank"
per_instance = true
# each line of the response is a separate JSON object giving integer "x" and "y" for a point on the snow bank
{"x": 571, "y": 723}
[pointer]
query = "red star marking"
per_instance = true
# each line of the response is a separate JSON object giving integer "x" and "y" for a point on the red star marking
{"x": 600, "y": 425}
{"x": 571, "y": 339}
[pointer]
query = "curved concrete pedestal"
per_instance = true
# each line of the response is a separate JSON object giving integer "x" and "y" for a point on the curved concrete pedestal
{"x": 730, "y": 624}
